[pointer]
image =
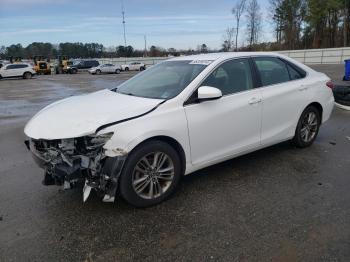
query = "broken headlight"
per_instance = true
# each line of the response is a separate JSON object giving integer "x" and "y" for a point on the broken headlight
{"x": 98, "y": 140}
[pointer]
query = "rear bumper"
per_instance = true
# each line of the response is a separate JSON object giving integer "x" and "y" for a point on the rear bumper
{"x": 327, "y": 109}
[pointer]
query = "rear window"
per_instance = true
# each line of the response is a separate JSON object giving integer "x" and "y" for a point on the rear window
{"x": 272, "y": 70}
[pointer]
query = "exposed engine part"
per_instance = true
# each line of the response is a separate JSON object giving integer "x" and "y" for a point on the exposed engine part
{"x": 74, "y": 161}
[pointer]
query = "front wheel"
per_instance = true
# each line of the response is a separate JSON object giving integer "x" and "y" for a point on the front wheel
{"x": 151, "y": 174}
{"x": 142, "y": 68}
{"x": 117, "y": 71}
{"x": 307, "y": 128}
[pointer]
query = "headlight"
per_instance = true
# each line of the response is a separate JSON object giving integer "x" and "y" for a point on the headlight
{"x": 100, "y": 140}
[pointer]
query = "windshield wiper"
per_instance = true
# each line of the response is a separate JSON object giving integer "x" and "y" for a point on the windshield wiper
{"x": 128, "y": 94}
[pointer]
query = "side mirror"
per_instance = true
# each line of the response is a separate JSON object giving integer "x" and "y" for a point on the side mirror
{"x": 208, "y": 93}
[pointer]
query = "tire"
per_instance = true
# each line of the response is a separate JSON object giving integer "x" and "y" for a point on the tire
{"x": 117, "y": 71}
{"x": 27, "y": 75}
{"x": 74, "y": 71}
{"x": 307, "y": 130}
{"x": 126, "y": 68}
{"x": 142, "y": 68}
{"x": 0, "y": 76}
{"x": 98, "y": 72}
{"x": 165, "y": 181}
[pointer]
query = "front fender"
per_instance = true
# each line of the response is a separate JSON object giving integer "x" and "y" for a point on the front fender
{"x": 129, "y": 134}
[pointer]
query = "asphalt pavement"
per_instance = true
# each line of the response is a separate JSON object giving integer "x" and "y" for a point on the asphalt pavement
{"x": 277, "y": 204}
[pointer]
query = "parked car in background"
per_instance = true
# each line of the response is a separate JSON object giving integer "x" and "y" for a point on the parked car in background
{"x": 82, "y": 64}
{"x": 106, "y": 69}
{"x": 177, "y": 117}
{"x": 24, "y": 70}
{"x": 134, "y": 66}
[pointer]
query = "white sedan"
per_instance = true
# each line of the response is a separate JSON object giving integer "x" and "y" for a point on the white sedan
{"x": 179, "y": 116}
{"x": 134, "y": 66}
{"x": 106, "y": 69}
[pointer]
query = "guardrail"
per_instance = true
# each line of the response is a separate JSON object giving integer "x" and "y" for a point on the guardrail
{"x": 307, "y": 56}
{"x": 119, "y": 61}
{"x": 319, "y": 56}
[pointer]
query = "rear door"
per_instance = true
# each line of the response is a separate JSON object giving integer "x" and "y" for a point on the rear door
{"x": 109, "y": 68}
{"x": 284, "y": 95}
{"x": 227, "y": 126}
{"x": 11, "y": 70}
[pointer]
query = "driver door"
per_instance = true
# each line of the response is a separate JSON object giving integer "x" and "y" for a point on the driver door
{"x": 230, "y": 125}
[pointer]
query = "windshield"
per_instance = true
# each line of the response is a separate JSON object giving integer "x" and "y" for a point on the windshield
{"x": 162, "y": 81}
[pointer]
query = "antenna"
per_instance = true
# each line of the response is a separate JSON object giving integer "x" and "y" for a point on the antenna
{"x": 123, "y": 14}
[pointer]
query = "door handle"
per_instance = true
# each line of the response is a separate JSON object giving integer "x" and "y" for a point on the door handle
{"x": 302, "y": 88}
{"x": 254, "y": 100}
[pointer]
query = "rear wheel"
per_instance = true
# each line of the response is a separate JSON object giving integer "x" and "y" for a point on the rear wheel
{"x": 150, "y": 175}
{"x": 27, "y": 75}
{"x": 308, "y": 127}
{"x": 126, "y": 68}
{"x": 142, "y": 68}
{"x": 98, "y": 72}
{"x": 117, "y": 71}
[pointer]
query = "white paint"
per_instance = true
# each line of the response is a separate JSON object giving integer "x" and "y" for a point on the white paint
{"x": 209, "y": 132}
{"x": 81, "y": 115}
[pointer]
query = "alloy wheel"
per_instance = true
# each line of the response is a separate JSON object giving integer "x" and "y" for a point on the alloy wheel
{"x": 153, "y": 175}
{"x": 309, "y": 127}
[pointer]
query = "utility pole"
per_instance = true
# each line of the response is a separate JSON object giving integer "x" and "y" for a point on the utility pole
{"x": 123, "y": 15}
{"x": 145, "y": 46}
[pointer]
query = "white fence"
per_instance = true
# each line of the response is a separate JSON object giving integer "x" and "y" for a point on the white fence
{"x": 319, "y": 56}
{"x": 307, "y": 56}
{"x": 122, "y": 60}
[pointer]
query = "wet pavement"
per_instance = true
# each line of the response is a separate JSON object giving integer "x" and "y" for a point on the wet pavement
{"x": 277, "y": 204}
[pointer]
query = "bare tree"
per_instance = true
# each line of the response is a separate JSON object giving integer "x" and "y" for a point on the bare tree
{"x": 253, "y": 22}
{"x": 228, "y": 39}
{"x": 238, "y": 11}
{"x": 346, "y": 23}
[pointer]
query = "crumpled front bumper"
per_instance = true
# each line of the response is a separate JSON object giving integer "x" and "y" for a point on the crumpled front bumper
{"x": 97, "y": 172}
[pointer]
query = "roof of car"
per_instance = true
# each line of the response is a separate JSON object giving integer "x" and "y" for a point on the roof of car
{"x": 222, "y": 56}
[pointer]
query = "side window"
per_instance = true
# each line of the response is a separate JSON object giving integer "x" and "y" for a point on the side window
{"x": 272, "y": 70}
{"x": 231, "y": 77}
{"x": 11, "y": 67}
{"x": 294, "y": 74}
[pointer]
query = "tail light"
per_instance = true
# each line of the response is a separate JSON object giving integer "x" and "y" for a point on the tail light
{"x": 330, "y": 84}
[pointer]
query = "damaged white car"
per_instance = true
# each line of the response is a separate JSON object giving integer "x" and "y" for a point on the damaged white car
{"x": 181, "y": 115}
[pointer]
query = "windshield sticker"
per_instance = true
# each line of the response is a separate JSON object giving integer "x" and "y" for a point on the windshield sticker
{"x": 201, "y": 62}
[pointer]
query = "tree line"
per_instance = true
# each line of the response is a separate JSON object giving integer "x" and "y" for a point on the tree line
{"x": 297, "y": 24}
{"x": 89, "y": 50}
{"x": 311, "y": 23}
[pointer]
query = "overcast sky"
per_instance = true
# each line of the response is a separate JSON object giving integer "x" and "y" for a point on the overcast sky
{"x": 167, "y": 23}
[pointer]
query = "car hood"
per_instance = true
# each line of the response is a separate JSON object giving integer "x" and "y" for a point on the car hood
{"x": 82, "y": 115}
